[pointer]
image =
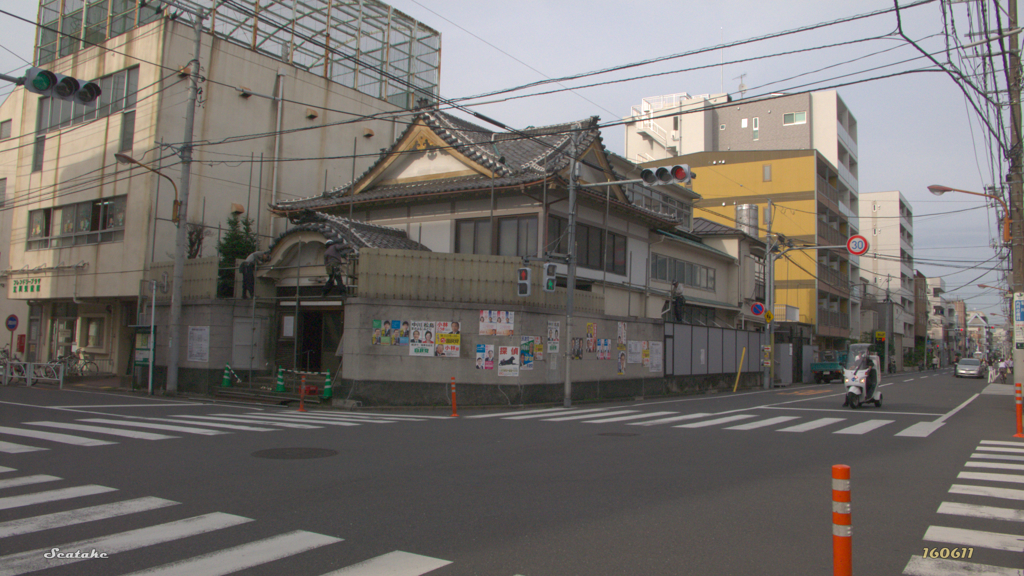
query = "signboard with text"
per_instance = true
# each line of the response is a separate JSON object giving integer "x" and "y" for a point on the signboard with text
{"x": 1018, "y": 320}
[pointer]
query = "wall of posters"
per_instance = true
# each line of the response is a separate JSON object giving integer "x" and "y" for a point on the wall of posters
{"x": 657, "y": 353}
{"x": 497, "y": 323}
{"x": 508, "y": 360}
{"x": 591, "y": 337}
{"x": 622, "y": 363}
{"x": 554, "y": 327}
{"x": 620, "y": 342}
{"x": 390, "y": 333}
{"x": 634, "y": 353}
{"x": 645, "y": 353}
{"x": 448, "y": 340}
{"x": 421, "y": 338}
{"x": 485, "y": 357}
{"x": 577, "y": 349}
{"x": 604, "y": 349}
{"x": 526, "y": 351}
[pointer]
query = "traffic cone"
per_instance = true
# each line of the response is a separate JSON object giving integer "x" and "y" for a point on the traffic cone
{"x": 328, "y": 391}
{"x": 226, "y": 381}
{"x": 280, "y": 380}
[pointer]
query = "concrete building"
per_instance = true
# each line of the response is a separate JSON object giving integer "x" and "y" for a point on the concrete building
{"x": 85, "y": 231}
{"x": 941, "y": 321}
{"x": 887, "y": 222}
{"x": 798, "y": 150}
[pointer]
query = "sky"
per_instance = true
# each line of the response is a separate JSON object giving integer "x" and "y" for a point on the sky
{"x": 914, "y": 129}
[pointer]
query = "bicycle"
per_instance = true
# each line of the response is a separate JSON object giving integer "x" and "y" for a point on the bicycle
{"x": 75, "y": 366}
{"x": 11, "y": 362}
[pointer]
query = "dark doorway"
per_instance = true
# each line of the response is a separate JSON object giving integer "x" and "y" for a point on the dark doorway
{"x": 310, "y": 346}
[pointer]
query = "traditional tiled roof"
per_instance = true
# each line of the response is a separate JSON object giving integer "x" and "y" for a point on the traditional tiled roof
{"x": 351, "y": 232}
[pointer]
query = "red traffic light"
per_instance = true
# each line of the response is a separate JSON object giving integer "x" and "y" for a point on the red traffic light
{"x": 524, "y": 274}
{"x": 680, "y": 173}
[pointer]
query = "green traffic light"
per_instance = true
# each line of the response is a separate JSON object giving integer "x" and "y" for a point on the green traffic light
{"x": 42, "y": 82}
{"x": 551, "y": 284}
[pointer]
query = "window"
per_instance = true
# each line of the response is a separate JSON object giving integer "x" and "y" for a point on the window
{"x": 92, "y": 222}
{"x": 517, "y": 236}
{"x": 675, "y": 122}
{"x": 757, "y": 125}
{"x": 743, "y": 123}
{"x": 591, "y": 251}
{"x": 766, "y": 172}
{"x": 127, "y": 131}
{"x": 5, "y": 129}
{"x": 37, "y": 153}
{"x": 473, "y": 237}
{"x": 119, "y": 93}
{"x": 3, "y": 191}
{"x": 686, "y": 273}
{"x": 791, "y": 118}
{"x": 93, "y": 332}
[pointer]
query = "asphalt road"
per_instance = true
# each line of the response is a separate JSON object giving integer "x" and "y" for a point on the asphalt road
{"x": 715, "y": 484}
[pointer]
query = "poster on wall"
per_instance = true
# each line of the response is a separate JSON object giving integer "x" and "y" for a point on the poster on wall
{"x": 657, "y": 353}
{"x": 577, "y": 348}
{"x": 634, "y": 354}
{"x": 485, "y": 357}
{"x": 497, "y": 323}
{"x": 622, "y": 363}
{"x": 506, "y": 323}
{"x": 487, "y": 323}
{"x": 591, "y": 337}
{"x": 375, "y": 333}
{"x": 553, "y": 329}
{"x": 421, "y": 338}
{"x": 508, "y": 360}
{"x": 198, "y": 343}
{"x": 385, "y": 332}
{"x": 538, "y": 349}
{"x": 399, "y": 332}
{"x": 448, "y": 340}
{"x": 645, "y": 354}
{"x": 604, "y": 349}
{"x": 526, "y": 351}
{"x": 620, "y": 342}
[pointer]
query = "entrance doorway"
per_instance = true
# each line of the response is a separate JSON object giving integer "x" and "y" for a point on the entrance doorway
{"x": 319, "y": 337}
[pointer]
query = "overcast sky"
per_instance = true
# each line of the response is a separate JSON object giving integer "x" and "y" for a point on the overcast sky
{"x": 913, "y": 129}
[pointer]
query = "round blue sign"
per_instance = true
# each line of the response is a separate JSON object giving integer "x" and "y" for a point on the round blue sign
{"x": 757, "y": 309}
{"x": 12, "y": 322}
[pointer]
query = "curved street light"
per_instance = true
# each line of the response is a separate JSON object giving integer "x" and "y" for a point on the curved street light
{"x": 939, "y": 190}
{"x": 128, "y": 160}
{"x": 995, "y": 288}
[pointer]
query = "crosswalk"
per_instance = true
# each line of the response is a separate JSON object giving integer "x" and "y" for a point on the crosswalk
{"x": 949, "y": 549}
{"x": 94, "y": 431}
{"x": 733, "y": 420}
{"x": 229, "y": 560}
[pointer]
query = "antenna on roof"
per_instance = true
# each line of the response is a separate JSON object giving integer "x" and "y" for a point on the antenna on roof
{"x": 743, "y": 87}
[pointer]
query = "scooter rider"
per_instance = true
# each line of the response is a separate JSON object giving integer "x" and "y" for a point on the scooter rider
{"x": 871, "y": 380}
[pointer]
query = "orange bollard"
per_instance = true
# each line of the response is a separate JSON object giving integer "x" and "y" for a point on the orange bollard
{"x": 302, "y": 394}
{"x": 1020, "y": 423}
{"x": 454, "y": 415}
{"x": 842, "y": 542}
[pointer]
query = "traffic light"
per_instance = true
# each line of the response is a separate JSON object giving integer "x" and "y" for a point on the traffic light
{"x": 524, "y": 282}
{"x": 46, "y": 83}
{"x": 549, "y": 277}
{"x": 678, "y": 174}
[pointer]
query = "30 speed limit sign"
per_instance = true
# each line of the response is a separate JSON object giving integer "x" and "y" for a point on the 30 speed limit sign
{"x": 857, "y": 245}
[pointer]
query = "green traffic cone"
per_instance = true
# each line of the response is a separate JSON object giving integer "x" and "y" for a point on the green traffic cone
{"x": 328, "y": 392}
{"x": 280, "y": 380}
{"x": 226, "y": 381}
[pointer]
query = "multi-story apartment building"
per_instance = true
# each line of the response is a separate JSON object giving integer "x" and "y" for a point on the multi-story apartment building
{"x": 941, "y": 320}
{"x": 83, "y": 229}
{"x": 887, "y": 222}
{"x": 798, "y": 150}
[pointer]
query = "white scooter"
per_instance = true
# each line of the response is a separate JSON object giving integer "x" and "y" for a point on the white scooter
{"x": 856, "y": 377}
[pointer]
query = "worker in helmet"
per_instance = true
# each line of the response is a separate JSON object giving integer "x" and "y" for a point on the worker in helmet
{"x": 335, "y": 260}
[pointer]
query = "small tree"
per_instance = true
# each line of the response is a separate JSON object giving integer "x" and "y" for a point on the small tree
{"x": 197, "y": 232}
{"x": 237, "y": 243}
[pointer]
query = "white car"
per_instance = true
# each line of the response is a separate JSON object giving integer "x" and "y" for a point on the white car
{"x": 969, "y": 368}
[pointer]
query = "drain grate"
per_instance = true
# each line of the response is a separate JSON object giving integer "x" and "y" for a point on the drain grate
{"x": 295, "y": 453}
{"x": 618, "y": 434}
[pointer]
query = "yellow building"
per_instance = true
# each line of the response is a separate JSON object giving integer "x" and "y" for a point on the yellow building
{"x": 807, "y": 210}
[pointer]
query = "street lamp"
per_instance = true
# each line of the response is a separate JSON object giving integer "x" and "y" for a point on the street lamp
{"x": 128, "y": 160}
{"x": 995, "y": 288}
{"x": 939, "y": 190}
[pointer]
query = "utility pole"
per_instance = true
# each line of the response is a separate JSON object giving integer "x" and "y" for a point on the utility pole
{"x": 1014, "y": 177}
{"x": 570, "y": 283}
{"x": 770, "y": 295}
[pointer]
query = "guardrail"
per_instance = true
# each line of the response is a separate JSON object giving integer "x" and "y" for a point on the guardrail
{"x": 32, "y": 372}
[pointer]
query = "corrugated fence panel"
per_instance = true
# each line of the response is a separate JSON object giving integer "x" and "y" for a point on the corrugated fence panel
{"x": 683, "y": 351}
{"x": 730, "y": 350}
{"x": 715, "y": 351}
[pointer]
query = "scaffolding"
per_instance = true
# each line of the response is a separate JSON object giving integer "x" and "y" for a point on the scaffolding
{"x": 363, "y": 44}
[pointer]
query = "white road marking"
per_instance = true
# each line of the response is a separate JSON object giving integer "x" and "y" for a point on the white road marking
{"x": 864, "y": 427}
{"x": 1001, "y": 465}
{"x": 715, "y": 421}
{"x": 122, "y": 405}
{"x": 101, "y": 430}
{"x": 584, "y": 416}
{"x": 247, "y": 420}
{"x": 1003, "y": 443}
{"x": 763, "y": 423}
{"x": 52, "y": 496}
{"x": 237, "y": 558}
{"x": 545, "y": 415}
{"x": 671, "y": 419}
{"x": 182, "y": 420}
{"x": 324, "y": 421}
{"x": 971, "y": 490}
{"x": 321, "y": 417}
{"x": 1015, "y": 478}
{"x": 12, "y": 448}
{"x": 54, "y": 437}
{"x": 977, "y": 511}
{"x": 185, "y": 429}
{"x": 624, "y": 418}
{"x": 813, "y": 424}
{"x": 908, "y": 379}
{"x": 27, "y": 480}
{"x": 1001, "y": 449}
{"x": 921, "y": 566}
{"x": 34, "y": 560}
{"x": 81, "y": 515}
{"x": 921, "y": 429}
{"x": 6, "y": 469}
{"x": 843, "y": 410}
{"x": 518, "y": 412}
{"x": 396, "y": 563}
{"x": 997, "y": 456}
{"x": 979, "y": 538}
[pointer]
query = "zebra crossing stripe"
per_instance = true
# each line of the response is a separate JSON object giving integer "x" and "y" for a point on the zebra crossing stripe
{"x": 154, "y": 426}
{"x": 6, "y": 469}
{"x": 81, "y": 516}
{"x": 54, "y": 437}
{"x": 999, "y": 465}
{"x": 11, "y": 448}
{"x": 250, "y": 421}
{"x": 101, "y": 430}
{"x": 997, "y": 457}
{"x": 1015, "y": 478}
{"x": 52, "y": 496}
{"x": 864, "y": 427}
{"x": 545, "y": 415}
{"x": 395, "y": 563}
{"x": 970, "y": 490}
{"x": 624, "y": 418}
{"x": 34, "y": 560}
{"x": 518, "y": 413}
{"x": 978, "y": 511}
{"x": 763, "y": 423}
{"x": 921, "y": 566}
{"x": 716, "y": 421}
{"x": 813, "y": 424}
{"x": 921, "y": 429}
{"x": 216, "y": 425}
{"x": 979, "y": 538}
{"x": 324, "y": 421}
{"x": 671, "y": 419}
{"x": 585, "y": 416}
{"x": 1000, "y": 449}
{"x": 341, "y": 416}
{"x": 1003, "y": 443}
{"x": 27, "y": 480}
{"x": 232, "y": 560}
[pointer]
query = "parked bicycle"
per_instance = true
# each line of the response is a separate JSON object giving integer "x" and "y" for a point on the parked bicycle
{"x": 10, "y": 362}
{"x": 75, "y": 366}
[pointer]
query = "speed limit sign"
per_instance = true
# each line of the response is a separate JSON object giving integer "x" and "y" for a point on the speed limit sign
{"x": 857, "y": 245}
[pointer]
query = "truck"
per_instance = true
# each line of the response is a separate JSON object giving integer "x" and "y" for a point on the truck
{"x": 829, "y": 367}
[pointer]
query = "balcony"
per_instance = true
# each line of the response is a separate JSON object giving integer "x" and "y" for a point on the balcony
{"x": 851, "y": 180}
{"x": 828, "y": 190}
{"x": 833, "y": 278}
{"x": 652, "y": 129}
{"x": 832, "y": 236}
{"x": 846, "y": 139}
{"x": 833, "y": 318}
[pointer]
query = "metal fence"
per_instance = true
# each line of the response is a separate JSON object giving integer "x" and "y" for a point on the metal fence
{"x": 696, "y": 350}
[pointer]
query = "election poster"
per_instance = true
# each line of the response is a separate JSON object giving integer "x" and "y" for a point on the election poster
{"x": 448, "y": 340}
{"x": 485, "y": 357}
{"x": 604, "y": 349}
{"x": 634, "y": 354}
{"x": 526, "y": 351}
{"x": 508, "y": 360}
{"x": 621, "y": 340}
{"x": 553, "y": 330}
{"x": 591, "y": 337}
{"x": 645, "y": 353}
{"x": 657, "y": 354}
{"x": 376, "y": 333}
{"x": 497, "y": 323}
{"x": 622, "y": 363}
{"x": 385, "y": 332}
{"x": 577, "y": 348}
{"x": 421, "y": 338}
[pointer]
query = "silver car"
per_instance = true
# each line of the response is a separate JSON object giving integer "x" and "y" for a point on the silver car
{"x": 969, "y": 368}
